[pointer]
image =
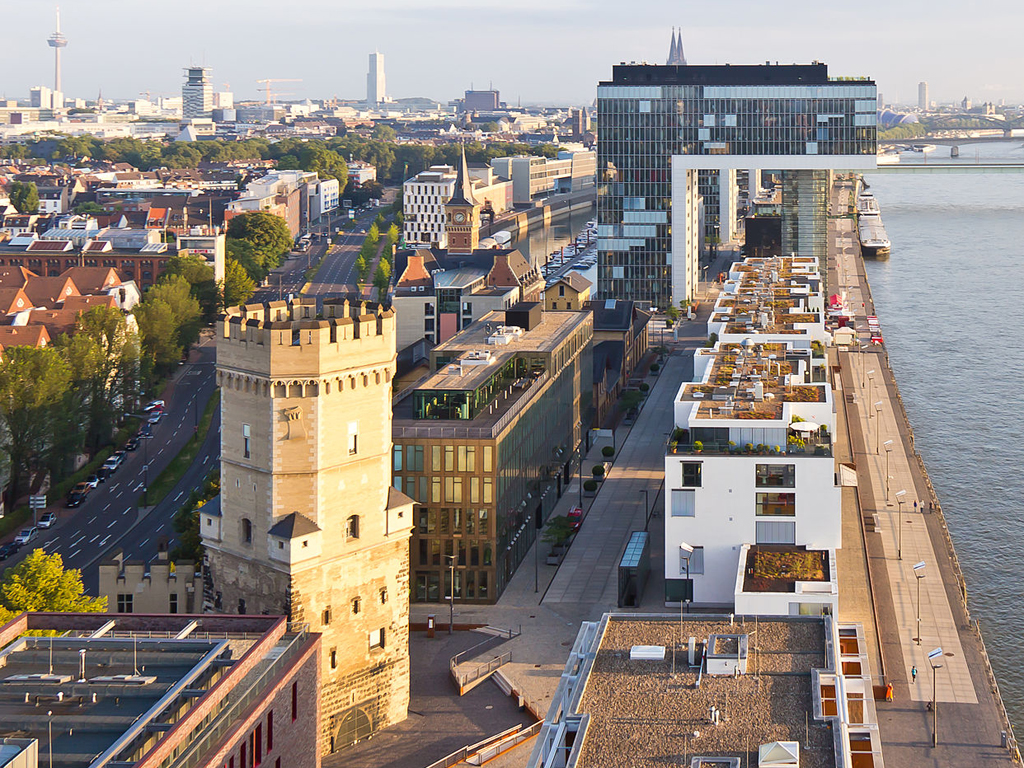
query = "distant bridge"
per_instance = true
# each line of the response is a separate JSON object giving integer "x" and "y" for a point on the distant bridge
{"x": 1007, "y": 135}
{"x": 964, "y": 167}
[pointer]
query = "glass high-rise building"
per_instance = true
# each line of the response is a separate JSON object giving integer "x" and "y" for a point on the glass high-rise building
{"x": 661, "y": 127}
{"x": 197, "y": 93}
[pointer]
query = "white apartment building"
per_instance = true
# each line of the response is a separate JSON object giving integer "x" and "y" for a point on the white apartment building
{"x": 534, "y": 177}
{"x": 752, "y": 500}
{"x": 376, "y": 87}
{"x": 425, "y": 194}
{"x": 360, "y": 173}
{"x": 324, "y": 196}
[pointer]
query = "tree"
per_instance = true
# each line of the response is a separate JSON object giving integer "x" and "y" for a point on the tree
{"x": 252, "y": 260}
{"x": 237, "y": 286}
{"x": 41, "y": 583}
{"x": 267, "y": 233}
{"x": 384, "y": 133}
{"x": 25, "y": 197}
{"x": 362, "y": 267}
{"x": 90, "y": 209}
{"x": 490, "y": 127}
{"x": 33, "y": 385}
{"x": 382, "y": 278}
{"x": 199, "y": 275}
{"x": 169, "y": 320}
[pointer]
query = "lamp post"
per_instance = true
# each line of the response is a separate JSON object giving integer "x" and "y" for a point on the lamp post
{"x": 899, "y": 540}
{"x": 451, "y": 593}
{"x": 49, "y": 734}
{"x": 878, "y": 424}
{"x": 932, "y": 656}
{"x": 647, "y": 507}
{"x": 869, "y": 378}
{"x": 685, "y": 551}
{"x": 888, "y": 450}
{"x": 919, "y": 573}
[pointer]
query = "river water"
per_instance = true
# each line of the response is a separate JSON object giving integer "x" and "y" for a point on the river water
{"x": 950, "y": 303}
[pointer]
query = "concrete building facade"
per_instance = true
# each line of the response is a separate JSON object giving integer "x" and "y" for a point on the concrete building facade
{"x": 197, "y": 93}
{"x": 425, "y": 195}
{"x": 376, "y": 85}
{"x": 308, "y": 524}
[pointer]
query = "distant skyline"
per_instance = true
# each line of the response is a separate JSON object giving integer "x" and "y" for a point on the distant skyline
{"x": 539, "y": 51}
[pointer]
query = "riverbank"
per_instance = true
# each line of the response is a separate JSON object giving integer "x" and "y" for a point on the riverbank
{"x": 901, "y": 524}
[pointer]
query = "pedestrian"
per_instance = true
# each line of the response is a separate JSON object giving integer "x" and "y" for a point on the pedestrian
{"x": 913, "y": 674}
{"x": 888, "y": 692}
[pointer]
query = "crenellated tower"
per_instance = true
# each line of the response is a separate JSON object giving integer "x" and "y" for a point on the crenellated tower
{"x": 309, "y": 525}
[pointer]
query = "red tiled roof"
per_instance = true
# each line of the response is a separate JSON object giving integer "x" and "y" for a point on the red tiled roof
{"x": 24, "y": 336}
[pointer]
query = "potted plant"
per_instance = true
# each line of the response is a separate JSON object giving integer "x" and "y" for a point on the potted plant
{"x": 590, "y": 487}
{"x": 557, "y": 533}
{"x": 607, "y": 451}
{"x": 748, "y": 448}
{"x": 698, "y": 446}
{"x": 598, "y": 472}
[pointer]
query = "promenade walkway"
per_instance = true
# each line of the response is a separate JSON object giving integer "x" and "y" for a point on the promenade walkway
{"x": 897, "y": 532}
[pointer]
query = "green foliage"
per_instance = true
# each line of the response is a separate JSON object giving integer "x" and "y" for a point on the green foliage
{"x": 199, "y": 275}
{"x": 490, "y": 127}
{"x": 253, "y": 261}
{"x": 597, "y": 470}
{"x": 25, "y": 197}
{"x": 40, "y": 583}
{"x": 186, "y": 521}
{"x": 644, "y": 386}
{"x": 712, "y": 340}
{"x": 169, "y": 319}
{"x": 906, "y": 131}
{"x": 384, "y": 133}
{"x": 362, "y": 268}
{"x": 238, "y": 286}
{"x": 630, "y": 399}
{"x": 90, "y": 209}
{"x": 35, "y": 384}
{"x": 672, "y": 313}
{"x": 558, "y": 530}
{"x": 590, "y": 486}
{"x": 265, "y": 232}
{"x": 382, "y": 277}
{"x": 607, "y": 451}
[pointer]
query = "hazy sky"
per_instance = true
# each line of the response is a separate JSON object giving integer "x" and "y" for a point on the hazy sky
{"x": 536, "y": 50}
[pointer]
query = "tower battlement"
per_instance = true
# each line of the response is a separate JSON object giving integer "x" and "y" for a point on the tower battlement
{"x": 292, "y": 337}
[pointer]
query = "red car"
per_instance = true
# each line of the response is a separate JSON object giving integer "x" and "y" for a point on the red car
{"x": 575, "y": 517}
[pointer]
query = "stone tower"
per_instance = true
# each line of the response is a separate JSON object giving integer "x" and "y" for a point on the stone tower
{"x": 309, "y": 525}
{"x": 462, "y": 213}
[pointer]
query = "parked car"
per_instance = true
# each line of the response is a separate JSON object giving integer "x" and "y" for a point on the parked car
{"x": 103, "y": 473}
{"x": 92, "y": 480}
{"x": 47, "y": 520}
{"x": 77, "y": 495}
{"x": 146, "y": 431}
{"x": 155, "y": 417}
{"x": 154, "y": 405}
{"x": 132, "y": 444}
{"x": 8, "y": 549}
{"x": 25, "y": 536}
{"x": 575, "y": 517}
{"x": 120, "y": 456}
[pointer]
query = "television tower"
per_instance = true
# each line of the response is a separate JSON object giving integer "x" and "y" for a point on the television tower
{"x": 57, "y": 41}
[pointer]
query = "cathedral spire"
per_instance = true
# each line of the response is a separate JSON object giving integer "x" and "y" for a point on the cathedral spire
{"x": 463, "y": 192}
{"x": 676, "y": 57}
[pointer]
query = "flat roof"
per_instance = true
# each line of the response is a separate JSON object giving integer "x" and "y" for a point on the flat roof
{"x": 726, "y": 74}
{"x": 555, "y": 327}
{"x": 642, "y": 716}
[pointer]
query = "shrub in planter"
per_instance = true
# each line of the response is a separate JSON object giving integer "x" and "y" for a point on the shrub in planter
{"x": 644, "y": 386}
{"x": 590, "y": 486}
{"x": 748, "y": 448}
{"x": 608, "y": 451}
{"x": 655, "y": 367}
{"x": 698, "y": 446}
{"x": 597, "y": 471}
{"x": 679, "y": 434}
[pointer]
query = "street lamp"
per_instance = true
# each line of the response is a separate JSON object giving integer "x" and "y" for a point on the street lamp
{"x": 919, "y": 573}
{"x": 869, "y": 376}
{"x": 685, "y": 552}
{"x": 49, "y": 734}
{"x": 899, "y": 541}
{"x": 451, "y": 593}
{"x": 647, "y": 506}
{"x": 878, "y": 424}
{"x": 888, "y": 450}
{"x": 932, "y": 656}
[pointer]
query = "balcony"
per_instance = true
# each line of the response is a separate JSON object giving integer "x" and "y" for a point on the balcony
{"x": 816, "y": 446}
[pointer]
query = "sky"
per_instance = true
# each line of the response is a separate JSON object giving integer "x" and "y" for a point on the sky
{"x": 536, "y": 51}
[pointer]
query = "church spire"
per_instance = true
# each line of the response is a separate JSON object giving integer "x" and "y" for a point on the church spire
{"x": 463, "y": 192}
{"x": 676, "y": 57}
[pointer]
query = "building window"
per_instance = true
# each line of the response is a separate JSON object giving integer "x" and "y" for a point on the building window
{"x": 334, "y": 658}
{"x": 377, "y": 638}
{"x": 173, "y": 607}
{"x": 776, "y": 476}
{"x": 246, "y": 435}
{"x": 683, "y": 503}
{"x": 125, "y": 603}
{"x": 353, "y": 438}
{"x": 246, "y": 530}
{"x": 352, "y": 527}
{"x": 771, "y": 532}
{"x": 357, "y": 604}
{"x": 327, "y": 616}
{"x": 696, "y": 565}
{"x": 295, "y": 701}
{"x": 383, "y": 595}
{"x": 561, "y": 291}
{"x": 270, "y": 730}
{"x": 691, "y": 474}
{"x": 776, "y": 504}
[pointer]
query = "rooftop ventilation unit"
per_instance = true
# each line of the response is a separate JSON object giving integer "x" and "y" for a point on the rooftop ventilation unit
{"x": 647, "y": 653}
{"x": 505, "y": 334}
{"x": 477, "y": 357}
{"x": 779, "y": 754}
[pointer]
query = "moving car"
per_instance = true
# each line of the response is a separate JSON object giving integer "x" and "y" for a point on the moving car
{"x": 8, "y": 549}
{"x": 146, "y": 431}
{"x": 575, "y": 517}
{"x": 154, "y": 405}
{"x": 155, "y": 417}
{"x": 47, "y": 520}
{"x": 132, "y": 444}
{"x": 25, "y": 536}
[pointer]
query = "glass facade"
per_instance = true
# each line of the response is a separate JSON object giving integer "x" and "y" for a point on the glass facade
{"x": 649, "y": 113}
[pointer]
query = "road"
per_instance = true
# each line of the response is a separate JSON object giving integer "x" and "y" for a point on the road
{"x": 337, "y": 275}
{"x": 110, "y": 517}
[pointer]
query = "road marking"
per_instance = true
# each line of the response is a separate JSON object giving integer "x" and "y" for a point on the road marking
{"x": 112, "y": 524}
{"x": 104, "y": 541}
{"x": 92, "y": 520}
{"x": 144, "y": 543}
{"x": 106, "y": 507}
{"x": 78, "y": 540}
{"x": 93, "y": 539}
{"x": 74, "y": 553}
{"x": 179, "y": 495}
{"x": 141, "y": 486}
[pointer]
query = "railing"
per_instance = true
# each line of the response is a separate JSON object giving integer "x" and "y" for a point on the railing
{"x": 462, "y": 679}
{"x": 461, "y": 754}
{"x": 675, "y": 448}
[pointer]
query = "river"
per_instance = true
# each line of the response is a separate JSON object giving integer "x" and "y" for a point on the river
{"x": 947, "y": 301}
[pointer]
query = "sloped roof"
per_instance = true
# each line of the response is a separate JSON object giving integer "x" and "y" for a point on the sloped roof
{"x": 93, "y": 279}
{"x": 292, "y": 526}
{"x": 574, "y": 280}
{"x": 13, "y": 299}
{"x": 24, "y": 336}
{"x": 398, "y": 499}
{"x": 85, "y": 303}
{"x": 48, "y": 291}
{"x": 463, "y": 192}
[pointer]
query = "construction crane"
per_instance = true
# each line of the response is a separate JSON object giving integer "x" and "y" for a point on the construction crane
{"x": 269, "y": 81}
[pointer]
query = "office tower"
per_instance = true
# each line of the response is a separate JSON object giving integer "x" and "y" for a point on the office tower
{"x": 58, "y": 42}
{"x": 661, "y": 125}
{"x": 923, "y": 102}
{"x": 376, "y": 89}
{"x": 309, "y": 525}
{"x": 197, "y": 93}
{"x": 41, "y": 97}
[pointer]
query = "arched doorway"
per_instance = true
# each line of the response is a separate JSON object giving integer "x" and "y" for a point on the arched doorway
{"x": 355, "y": 726}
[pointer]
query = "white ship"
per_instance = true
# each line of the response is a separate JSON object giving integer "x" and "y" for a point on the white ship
{"x": 874, "y": 242}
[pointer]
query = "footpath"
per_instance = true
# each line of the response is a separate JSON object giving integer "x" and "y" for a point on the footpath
{"x": 898, "y": 524}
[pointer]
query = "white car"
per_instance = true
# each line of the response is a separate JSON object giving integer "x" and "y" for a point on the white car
{"x": 26, "y": 535}
{"x": 155, "y": 405}
{"x": 47, "y": 520}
